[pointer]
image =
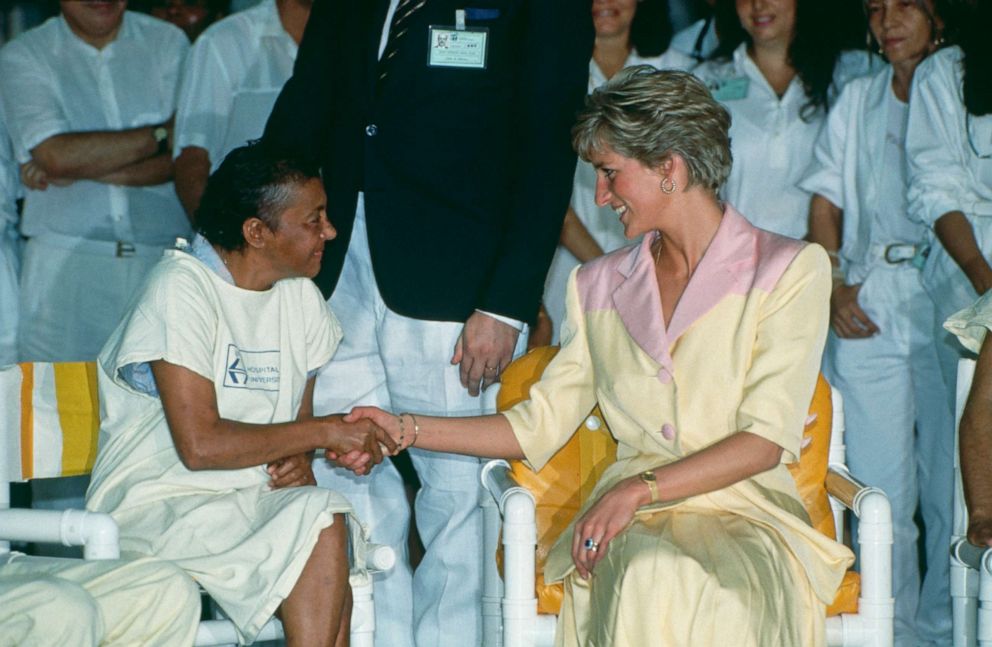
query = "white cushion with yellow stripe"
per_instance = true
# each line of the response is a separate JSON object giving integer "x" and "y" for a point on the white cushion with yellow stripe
{"x": 50, "y": 419}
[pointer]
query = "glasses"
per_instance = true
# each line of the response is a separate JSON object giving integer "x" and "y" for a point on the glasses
{"x": 971, "y": 140}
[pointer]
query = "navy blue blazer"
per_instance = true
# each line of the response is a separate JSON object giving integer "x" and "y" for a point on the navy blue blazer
{"x": 467, "y": 173}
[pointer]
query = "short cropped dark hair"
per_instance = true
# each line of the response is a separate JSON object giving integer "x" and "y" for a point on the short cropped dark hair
{"x": 249, "y": 183}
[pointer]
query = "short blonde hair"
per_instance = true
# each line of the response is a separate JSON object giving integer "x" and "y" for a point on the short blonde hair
{"x": 648, "y": 115}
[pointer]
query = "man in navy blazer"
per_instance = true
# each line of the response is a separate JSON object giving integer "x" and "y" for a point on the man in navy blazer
{"x": 443, "y": 129}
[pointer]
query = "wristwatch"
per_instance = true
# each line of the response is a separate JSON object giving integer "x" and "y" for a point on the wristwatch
{"x": 161, "y": 135}
{"x": 651, "y": 481}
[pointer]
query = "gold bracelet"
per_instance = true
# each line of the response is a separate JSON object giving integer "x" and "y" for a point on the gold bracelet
{"x": 416, "y": 429}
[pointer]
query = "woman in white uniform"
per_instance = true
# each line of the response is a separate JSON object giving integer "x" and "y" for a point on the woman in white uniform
{"x": 949, "y": 147}
{"x": 207, "y": 429}
{"x": 628, "y": 33}
{"x": 880, "y": 354}
{"x": 773, "y": 71}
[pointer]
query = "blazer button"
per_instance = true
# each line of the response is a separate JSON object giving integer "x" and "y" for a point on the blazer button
{"x": 668, "y": 431}
{"x": 371, "y": 130}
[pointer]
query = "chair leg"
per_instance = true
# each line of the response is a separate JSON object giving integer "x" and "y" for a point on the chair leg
{"x": 492, "y": 585}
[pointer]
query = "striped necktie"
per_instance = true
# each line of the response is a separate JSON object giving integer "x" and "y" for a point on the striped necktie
{"x": 397, "y": 29}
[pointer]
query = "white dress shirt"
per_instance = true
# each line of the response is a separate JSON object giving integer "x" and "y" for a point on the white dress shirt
{"x": 232, "y": 78}
{"x": 53, "y": 83}
{"x": 950, "y": 169}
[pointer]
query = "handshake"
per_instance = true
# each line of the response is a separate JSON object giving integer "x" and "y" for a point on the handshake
{"x": 360, "y": 440}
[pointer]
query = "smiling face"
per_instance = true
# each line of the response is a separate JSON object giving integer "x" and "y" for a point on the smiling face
{"x": 902, "y": 28}
{"x": 93, "y": 21}
{"x": 612, "y": 18}
{"x": 295, "y": 247}
{"x": 630, "y": 188}
{"x": 768, "y": 21}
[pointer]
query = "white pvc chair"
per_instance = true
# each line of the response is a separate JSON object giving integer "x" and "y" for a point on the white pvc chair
{"x": 971, "y": 566}
{"x": 49, "y": 418}
{"x": 510, "y": 615}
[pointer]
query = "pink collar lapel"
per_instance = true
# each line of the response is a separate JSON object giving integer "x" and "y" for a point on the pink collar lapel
{"x": 638, "y": 302}
{"x": 726, "y": 267}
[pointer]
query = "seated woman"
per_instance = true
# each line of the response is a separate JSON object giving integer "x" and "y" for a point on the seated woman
{"x": 701, "y": 345}
{"x": 207, "y": 429}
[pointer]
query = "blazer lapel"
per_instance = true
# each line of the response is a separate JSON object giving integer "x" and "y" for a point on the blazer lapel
{"x": 723, "y": 269}
{"x": 638, "y": 303}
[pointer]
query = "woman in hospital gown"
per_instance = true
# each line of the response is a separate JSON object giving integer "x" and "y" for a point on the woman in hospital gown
{"x": 206, "y": 393}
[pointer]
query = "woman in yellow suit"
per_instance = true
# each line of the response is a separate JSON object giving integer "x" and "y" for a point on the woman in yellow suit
{"x": 701, "y": 345}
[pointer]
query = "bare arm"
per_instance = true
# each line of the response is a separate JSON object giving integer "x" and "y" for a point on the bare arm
{"x": 192, "y": 170}
{"x": 92, "y": 155}
{"x": 147, "y": 172}
{"x": 958, "y": 238}
{"x": 204, "y": 440}
{"x": 577, "y": 239}
{"x": 483, "y": 436}
{"x": 976, "y": 450}
{"x": 846, "y": 316}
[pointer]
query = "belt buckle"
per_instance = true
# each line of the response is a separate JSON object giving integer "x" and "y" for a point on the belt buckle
{"x": 891, "y": 252}
{"x": 124, "y": 249}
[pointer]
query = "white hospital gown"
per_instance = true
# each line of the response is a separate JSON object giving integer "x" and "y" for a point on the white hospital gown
{"x": 245, "y": 543}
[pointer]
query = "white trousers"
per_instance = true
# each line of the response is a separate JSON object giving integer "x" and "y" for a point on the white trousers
{"x": 403, "y": 364}
{"x": 900, "y": 437}
{"x": 48, "y": 602}
{"x": 74, "y": 292}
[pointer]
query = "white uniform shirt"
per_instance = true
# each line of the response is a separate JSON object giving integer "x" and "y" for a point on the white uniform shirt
{"x": 54, "y": 83}
{"x": 234, "y": 74}
{"x": 950, "y": 167}
{"x": 859, "y": 165}
{"x": 771, "y": 144}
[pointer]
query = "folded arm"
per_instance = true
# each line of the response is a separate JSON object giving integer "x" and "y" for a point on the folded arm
{"x": 129, "y": 156}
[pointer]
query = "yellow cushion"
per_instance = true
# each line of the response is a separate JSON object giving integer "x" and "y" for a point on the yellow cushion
{"x": 563, "y": 484}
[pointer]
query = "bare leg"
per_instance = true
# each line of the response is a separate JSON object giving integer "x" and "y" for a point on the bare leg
{"x": 344, "y": 630}
{"x": 320, "y": 604}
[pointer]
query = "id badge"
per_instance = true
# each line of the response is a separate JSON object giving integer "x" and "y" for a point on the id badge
{"x": 732, "y": 89}
{"x": 466, "y": 48}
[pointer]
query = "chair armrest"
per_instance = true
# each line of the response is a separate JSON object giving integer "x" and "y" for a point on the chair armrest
{"x": 499, "y": 482}
{"x": 96, "y": 532}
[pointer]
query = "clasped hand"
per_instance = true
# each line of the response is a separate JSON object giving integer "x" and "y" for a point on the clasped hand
{"x": 357, "y": 444}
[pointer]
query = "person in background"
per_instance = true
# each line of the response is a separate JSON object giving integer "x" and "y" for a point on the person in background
{"x": 696, "y": 534}
{"x": 192, "y": 16}
{"x": 628, "y": 32}
{"x": 949, "y": 148}
{"x": 443, "y": 135}
{"x": 88, "y": 98}
{"x": 774, "y": 70}
{"x": 881, "y": 353}
{"x": 10, "y": 249}
{"x": 233, "y": 76}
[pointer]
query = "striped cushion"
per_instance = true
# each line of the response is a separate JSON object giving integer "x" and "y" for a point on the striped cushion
{"x": 51, "y": 419}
